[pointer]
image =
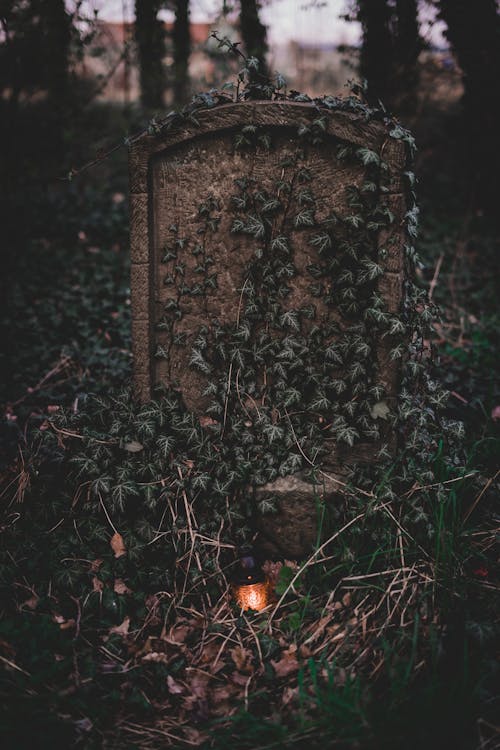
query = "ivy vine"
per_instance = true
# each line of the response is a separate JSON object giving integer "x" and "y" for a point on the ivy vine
{"x": 286, "y": 384}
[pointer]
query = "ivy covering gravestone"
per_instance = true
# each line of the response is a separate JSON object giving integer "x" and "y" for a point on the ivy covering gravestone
{"x": 271, "y": 250}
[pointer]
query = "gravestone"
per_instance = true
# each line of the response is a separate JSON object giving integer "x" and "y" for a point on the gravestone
{"x": 268, "y": 265}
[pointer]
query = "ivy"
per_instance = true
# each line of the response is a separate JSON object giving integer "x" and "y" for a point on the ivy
{"x": 286, "y": 383}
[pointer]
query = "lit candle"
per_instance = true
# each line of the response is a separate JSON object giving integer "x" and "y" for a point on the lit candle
{"x": 251, "y": 588}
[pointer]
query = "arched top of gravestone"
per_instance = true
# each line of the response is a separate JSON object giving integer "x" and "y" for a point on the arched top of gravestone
{"x": 350, "y": 127}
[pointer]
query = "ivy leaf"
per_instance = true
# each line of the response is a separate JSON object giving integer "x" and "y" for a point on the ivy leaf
{"x": 255, "y": 227}
{"x": 321, "y": 241}
{"x": 198, "y": 361}
{"x": 280, "y": 82}
{"x": 266, "y": 505}
{"x": 368, "y": 156}
{"x": 201, "y": 481}
{"x": 280, "y": 243}
{"x": 270, "y": 206}
{"x": 332, "y": 354}
{"x": 238, "y": 226}
{"x": 304, "y": 219}
{"x": 290, "y": 319}
{"x": 347, "y": 435}
{"x": 165, "y": 444}
{"x": 273, "y": 433}
{"x": 355, "y": 220}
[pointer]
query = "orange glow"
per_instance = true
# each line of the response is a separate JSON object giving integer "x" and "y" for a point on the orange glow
{"x": 252, "y": 596}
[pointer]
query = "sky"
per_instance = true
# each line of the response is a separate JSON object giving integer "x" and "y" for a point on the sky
{"x": 310, "y": 21}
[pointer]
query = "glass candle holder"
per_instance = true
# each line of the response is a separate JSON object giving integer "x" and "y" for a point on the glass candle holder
{"x": 252, "y": 595}
{"x": 251, "y": 589}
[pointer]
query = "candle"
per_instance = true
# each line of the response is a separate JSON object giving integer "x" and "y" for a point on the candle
{"x": 252, "y": 595}
{"x": 251, "y": 589}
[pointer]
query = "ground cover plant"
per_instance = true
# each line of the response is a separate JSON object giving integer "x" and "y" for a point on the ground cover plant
{"x": 117, "y": 627}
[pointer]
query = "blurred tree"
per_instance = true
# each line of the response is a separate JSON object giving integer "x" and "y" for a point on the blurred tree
{"x": 254, "y": 36}
{"x": 376, "y": 63}
{"x": 150, "y": 37}
{"x": 35, "y": 49}
{"x": 407, "y": 48}
{"x": 58, "y": 30}
{"x": 389, "y": 52}
{"x": 473, "y": 30}
{"x": 182, "y": 50}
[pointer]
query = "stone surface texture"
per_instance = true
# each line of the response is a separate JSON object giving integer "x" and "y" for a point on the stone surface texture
{"x": 170, "y": 176}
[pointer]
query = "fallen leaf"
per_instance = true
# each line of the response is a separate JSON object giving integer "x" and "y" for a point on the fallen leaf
{"x": 84, "y": 725}
{"x": 173, "y": 686}
{"x": 31, "y": 603}
{"x": 194, "y": 736}
{"x": 121, "y": 587}
{"x": 288, "y": 663}
{"x": 7, "y": 649}
{"x": 304, "y": 651}
{"x": 156, "y": 656}
{"x": 380, "y": 410}
{"x": 289, "y": 694}
{"x": 481, "y": 572}
{"x": 220, "y": 697}
{"x": 211, "y": 652}
{"x": 152, "y": 601}
{"x": 134, "y": 446}
{"x": 68, "y": 624}
{"x": 63, "y": 623}
{"x": 495, "y": 413}
{"x": 95, "y": 565}
{"x": 272, "y": 570}
{"x": 242, "y": 658}
{"x": 346, "y": 599}
{"x": 239, "y": 679}
{"x": 118, "y": 545}
{"x": 198, "y": 685}
{"x": 97, "y": 584}
{"x": 334, "y": 633}
{"x": 121, "y": 629}
{"x": 178, "y": 633}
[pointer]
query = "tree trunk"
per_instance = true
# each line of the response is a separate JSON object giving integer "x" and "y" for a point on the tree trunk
{"x": 473, "y": 30}
{"x": 150, "y": 37}
{"x": 377, "y": 51}
{"x": 182, "y": 50}
{"x": 57, "y": 33}
{"x": 408, "y": 46}
{"x": 253, "y": 34}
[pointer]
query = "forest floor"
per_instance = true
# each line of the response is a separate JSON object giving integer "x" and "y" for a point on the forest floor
{"x": 392, "y": 649}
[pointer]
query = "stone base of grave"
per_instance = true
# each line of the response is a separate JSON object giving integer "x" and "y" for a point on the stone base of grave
{"x": 303, "y": 509}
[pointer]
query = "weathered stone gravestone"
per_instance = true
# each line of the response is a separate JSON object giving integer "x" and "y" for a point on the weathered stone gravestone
{"x": 267, "y": 244}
